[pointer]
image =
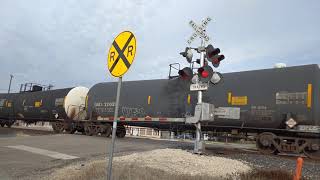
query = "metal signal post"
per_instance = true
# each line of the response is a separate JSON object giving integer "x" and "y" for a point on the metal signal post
{"x": 198, "y": 144}
{"x": 114, "y": 128}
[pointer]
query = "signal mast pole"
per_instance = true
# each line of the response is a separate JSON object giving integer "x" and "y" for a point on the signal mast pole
{"x": 198, "y": 146}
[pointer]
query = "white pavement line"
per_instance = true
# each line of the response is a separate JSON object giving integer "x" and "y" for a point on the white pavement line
{"x": 43, "y": 152}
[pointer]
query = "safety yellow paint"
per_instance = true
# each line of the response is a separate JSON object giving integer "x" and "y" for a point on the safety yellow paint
{"x": 121, "y": 53}
{"x": 309, "y": 96}
{"x": 229, "y": 97}
{"x": 149, "y": 99}
{"x": 9, "y": 104}
{"x": 86, "y": 103}
{"x": 37, "y": 104}
{"x": 189, "y": 99}
{"x": 239, "y": 100}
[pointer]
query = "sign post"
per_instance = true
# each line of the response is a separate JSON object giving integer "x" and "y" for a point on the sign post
{"x": 120, "y": 57}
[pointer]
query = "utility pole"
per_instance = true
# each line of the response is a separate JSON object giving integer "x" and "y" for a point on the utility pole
{"x": 11, "y": 76}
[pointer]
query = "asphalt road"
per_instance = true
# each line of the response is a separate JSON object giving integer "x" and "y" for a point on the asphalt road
{"x": 34, "y": 155}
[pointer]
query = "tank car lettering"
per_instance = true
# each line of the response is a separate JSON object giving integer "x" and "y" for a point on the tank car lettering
{"x": 97, "y": 104}
{"x": 109, "y": 104}
{"x": 59, "y": 102}
{"x": 133, "y": 112}
{"x": 261, "y": 113}
{"x": 291, "y": 98}
{"x": 308, "y": 128}
{"x": 102, "y": 110}
{"x": 104, "y": 104}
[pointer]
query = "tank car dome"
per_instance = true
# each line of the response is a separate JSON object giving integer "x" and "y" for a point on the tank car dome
{"x": 75, "y": 101}
{"x": 280, "y": 65}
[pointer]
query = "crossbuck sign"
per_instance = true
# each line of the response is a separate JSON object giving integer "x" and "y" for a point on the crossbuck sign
{"x": 199, "y": 30}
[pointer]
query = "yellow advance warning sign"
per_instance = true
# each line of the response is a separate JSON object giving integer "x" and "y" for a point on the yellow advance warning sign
{"x": 239, "y": 100}
{"x": 121, "y": 53}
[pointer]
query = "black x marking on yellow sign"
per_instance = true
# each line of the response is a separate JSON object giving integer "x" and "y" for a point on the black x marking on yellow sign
{"x": 120, "y": 52}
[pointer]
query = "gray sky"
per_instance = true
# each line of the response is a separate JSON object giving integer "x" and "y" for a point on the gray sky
{"x": 65, "y": 42}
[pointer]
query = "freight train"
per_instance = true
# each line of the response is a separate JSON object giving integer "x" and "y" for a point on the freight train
{"x": 281, "y": 106}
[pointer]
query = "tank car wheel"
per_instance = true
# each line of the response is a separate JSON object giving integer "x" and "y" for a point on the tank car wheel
{"x": 99, "y": 129}
{"x": 121, "y": 131}
{"x": 313, "y": 151}
{"x": 88, "y": 130}
{"x": 57, "y": 127}
{"x": 264, "y": 143}
{"x": 95, "y": 129}
{"x": 83, "y": 131}
{"x": 69, "y": 128}
{"x": 107, "y": 130}
{"x": 9, "y": 124}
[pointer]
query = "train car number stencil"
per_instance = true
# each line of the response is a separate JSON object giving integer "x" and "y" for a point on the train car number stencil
{"x": 291, "y": 97}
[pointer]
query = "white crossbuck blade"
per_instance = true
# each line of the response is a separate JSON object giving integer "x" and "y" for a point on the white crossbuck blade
{"x": 199, "y": 30}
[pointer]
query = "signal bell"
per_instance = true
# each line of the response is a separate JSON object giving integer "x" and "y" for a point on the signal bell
{"x": 187, "y": 54}
{"x": 216, "y": 78}
{"x": 186, "y": 73}
{"x": 213, "y": 56}
{"x": 205, "y": 73}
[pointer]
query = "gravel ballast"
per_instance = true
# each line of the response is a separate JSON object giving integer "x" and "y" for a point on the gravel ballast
{"x": 179, "y": 161}
{"x": 162, "y": 163}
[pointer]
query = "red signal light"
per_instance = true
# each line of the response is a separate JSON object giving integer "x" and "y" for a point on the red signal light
{"x": 215, "y": 61}
{"x": 213, "y": 52}
{"x": 204, "y": 74}
{"x": 186, "y": 73}
{"x": 213, "y": 55}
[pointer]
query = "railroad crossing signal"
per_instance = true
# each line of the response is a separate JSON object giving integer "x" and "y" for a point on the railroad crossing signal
{"x": 212, "y": 55}
{"x": 186, "y": 73}
{"x": 199, "y": 30}
{"x": 216, "y": 78}
{"x": 121, "y": 53}
{"x": 205, "y": 74}
{"x": 187, "y": 54}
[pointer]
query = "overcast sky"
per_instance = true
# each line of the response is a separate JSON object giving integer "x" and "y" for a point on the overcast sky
{"x": 65, "y": 42}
